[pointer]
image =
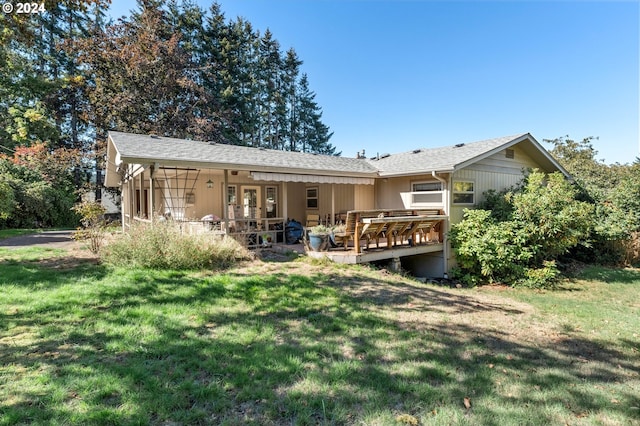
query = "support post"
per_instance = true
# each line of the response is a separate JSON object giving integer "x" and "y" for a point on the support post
{"x": 333, "y": 203}
{"x": 225, "y": 201}
{"x": 395, "y": 265}
{"x": 133, "y": 212}
{"x": 141, "y": 194}
{"x": 124, "y": 193}
{"x": 285, "y": 201}
{"x": 152, "y": 172}
{"x": 356, "y": 235}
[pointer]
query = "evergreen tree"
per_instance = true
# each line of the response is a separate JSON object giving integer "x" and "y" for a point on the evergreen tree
{"x": 291, "y": 70}
{"x": 271, "y": 106}
{"x": 313, "y": 134}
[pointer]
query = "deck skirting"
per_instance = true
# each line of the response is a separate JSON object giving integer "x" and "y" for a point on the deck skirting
{"x": 375, "y": 254}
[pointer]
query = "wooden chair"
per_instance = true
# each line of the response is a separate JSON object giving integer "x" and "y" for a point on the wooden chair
{"x": 353, "y": 226}
{"x": 350, "y": 227}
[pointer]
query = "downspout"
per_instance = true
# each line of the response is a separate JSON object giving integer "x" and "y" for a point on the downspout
{"x": 445, "y": 202}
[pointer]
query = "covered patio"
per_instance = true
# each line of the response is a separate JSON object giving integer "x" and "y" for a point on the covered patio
{"x": 245, "y": 192}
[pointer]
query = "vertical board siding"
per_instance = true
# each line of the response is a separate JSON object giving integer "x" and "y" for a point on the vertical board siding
{"x": 495, "y": 172}
{"x": 364, "y": 196}
{"x": 344, "y": 198}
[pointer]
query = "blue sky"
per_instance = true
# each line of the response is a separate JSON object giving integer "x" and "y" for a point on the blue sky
{"x": 392, "y": 76}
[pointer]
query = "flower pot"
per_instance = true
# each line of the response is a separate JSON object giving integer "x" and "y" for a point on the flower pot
{"x": 319, "y": 242}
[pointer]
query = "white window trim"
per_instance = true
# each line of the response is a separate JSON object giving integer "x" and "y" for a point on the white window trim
{"x": 235, "y": 194}
{"x": 275, "y": 202}
{"x": 413, "y": 193}
{"x": 317, "y": 197}
{"x": 453, "y": 192}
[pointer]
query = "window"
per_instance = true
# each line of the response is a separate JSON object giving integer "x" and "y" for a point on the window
{"x": 312, "y": 198}
{"x": 424, "y": 193}
{"x": 463, "y": 192}
{"x": 272, "y": 201}
{"x": 231, "y": 195}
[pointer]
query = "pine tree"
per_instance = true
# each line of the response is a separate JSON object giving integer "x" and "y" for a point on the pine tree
{"x": 313, "y": 135}
{"x": 291, "y": 71}
{"x": 271, "y": 105}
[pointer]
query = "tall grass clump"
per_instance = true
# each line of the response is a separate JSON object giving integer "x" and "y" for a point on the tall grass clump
{"x": 165, "y": 246}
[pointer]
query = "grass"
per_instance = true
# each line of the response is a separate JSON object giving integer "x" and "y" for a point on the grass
{"x": 309, "y": 343}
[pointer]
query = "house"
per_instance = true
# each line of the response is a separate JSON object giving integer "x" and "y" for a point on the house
{"x": 242, "y": 189}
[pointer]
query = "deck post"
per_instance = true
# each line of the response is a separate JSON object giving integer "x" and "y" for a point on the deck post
{"x": 356, "y": 235}
{"x": 395, "y": 264}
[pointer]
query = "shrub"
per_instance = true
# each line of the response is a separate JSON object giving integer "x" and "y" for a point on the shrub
{"x": 553, "y": 220}
{"x": 164, "y": 246}
{"x": 544, "y": 277}
{"x": 34, "y": 200}
{"x": 7, "y": 199}
{"x": 487, "y": 250}
{"x": 92, "y": 220}
{"x": 542, "y": 221}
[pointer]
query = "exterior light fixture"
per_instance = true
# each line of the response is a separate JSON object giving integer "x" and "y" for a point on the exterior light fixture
{"x": 209, "y": 183}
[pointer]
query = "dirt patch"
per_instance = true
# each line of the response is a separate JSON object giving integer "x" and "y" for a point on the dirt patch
{"x": 75, "y": 252}
{"x": 413, "y": 305}
{"x": 73, "y": 258}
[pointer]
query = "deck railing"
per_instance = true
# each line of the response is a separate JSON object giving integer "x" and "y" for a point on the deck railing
{"x": 251, "y": 232}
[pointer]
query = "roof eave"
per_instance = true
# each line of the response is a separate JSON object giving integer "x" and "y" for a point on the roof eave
{"x": 415, "y": 173}
{"x": 242, "y": 166}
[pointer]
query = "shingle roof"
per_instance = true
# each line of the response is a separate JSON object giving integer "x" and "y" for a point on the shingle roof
{"x": 442, "y": 159}
{"x": 145, "y": 148}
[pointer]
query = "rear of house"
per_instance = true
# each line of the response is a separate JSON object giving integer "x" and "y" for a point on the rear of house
{"x": 245, "y": 191}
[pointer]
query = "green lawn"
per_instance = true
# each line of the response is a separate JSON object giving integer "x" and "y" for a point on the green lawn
{"x": 309, "y": 343}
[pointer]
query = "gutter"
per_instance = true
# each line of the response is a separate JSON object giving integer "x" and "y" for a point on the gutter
{"x": 445, "y": 245}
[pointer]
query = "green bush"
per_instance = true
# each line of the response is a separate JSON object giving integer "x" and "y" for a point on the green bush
{"x": 519, "y": 246}
{"x": 543, "y": 277}
{"x": 164, "y": 246}
{"x": 33, "y": 201}
{"x": 7, "y": 199}
{"x": 487, "y": 250}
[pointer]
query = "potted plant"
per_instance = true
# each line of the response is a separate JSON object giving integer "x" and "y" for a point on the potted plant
{"x": 319, "y": 238}
{"x": 338, "y": 233}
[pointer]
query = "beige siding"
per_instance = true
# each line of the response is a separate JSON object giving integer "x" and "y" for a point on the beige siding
{"x": 389, "y": 192}
{"x": 296, "y": 201}
{"x": 394, "y": 193}
{"x": 499, "y": 163}
{"x": 346, "y": 197}
{"x": 496, "y": 172}
{"x": 364, "y": 196}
